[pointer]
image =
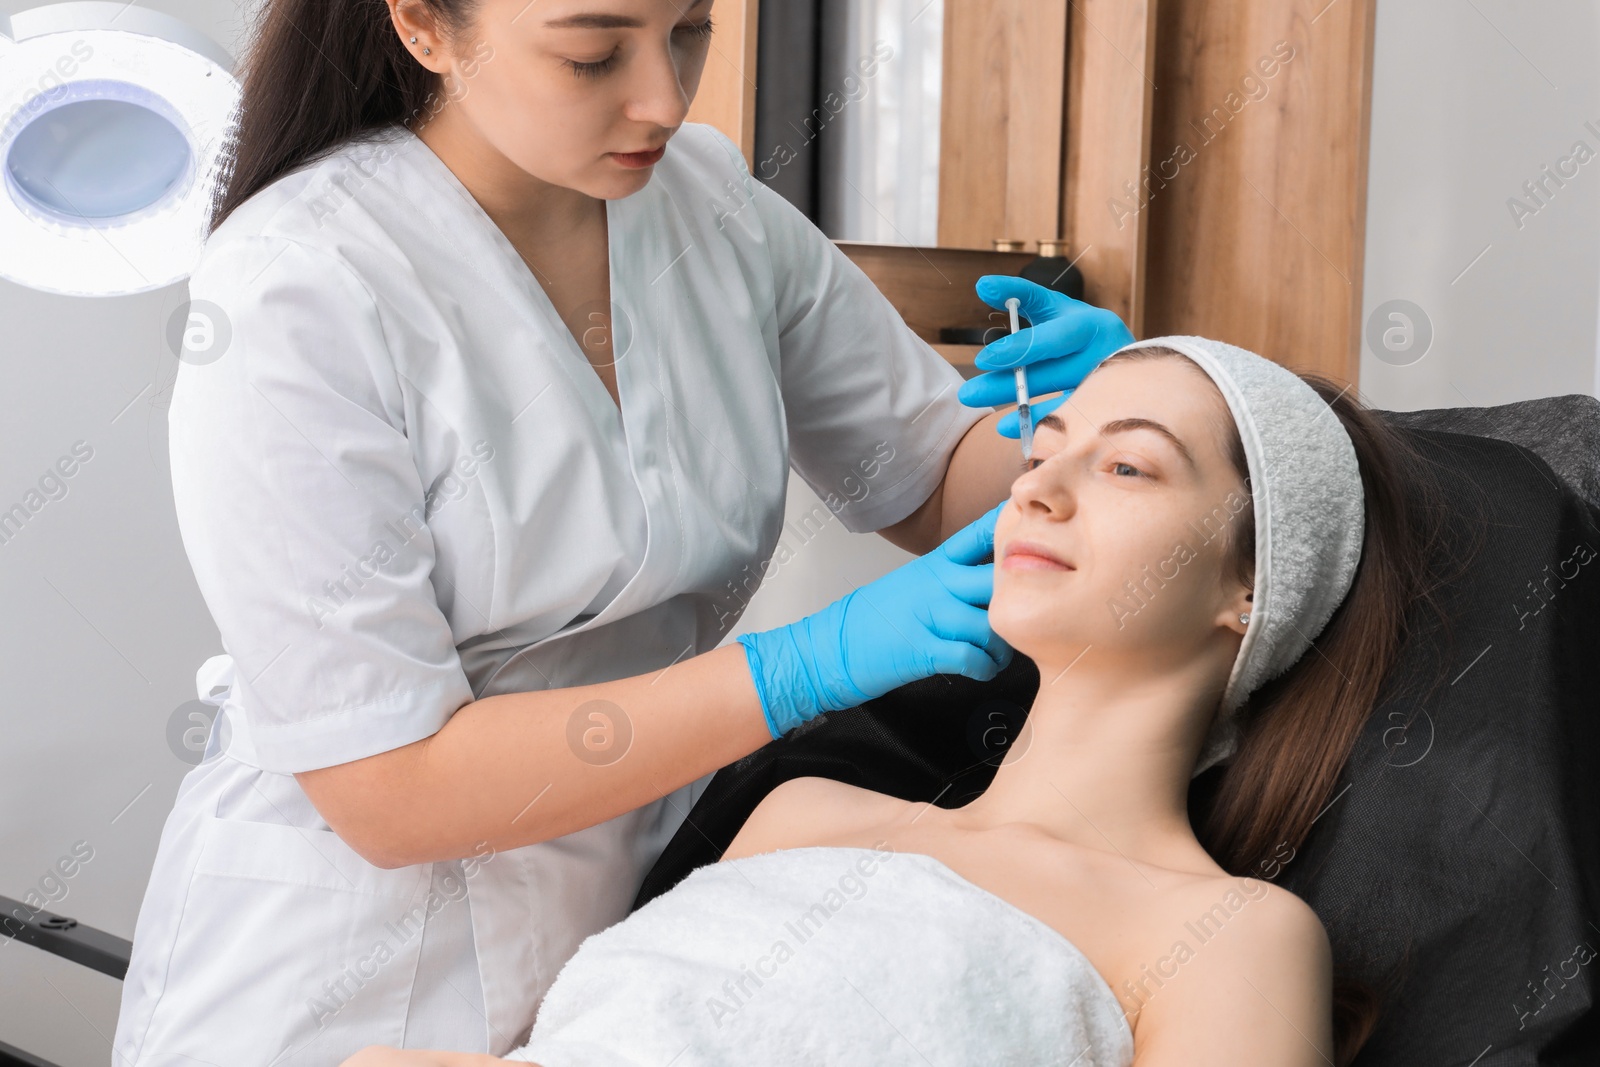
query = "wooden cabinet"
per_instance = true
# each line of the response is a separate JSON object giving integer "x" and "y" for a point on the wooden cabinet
{"x": 1259, "y": 238}
{"x": 1002, "y": 121}
{"x": 1204, "y": 162}
{"x": 726, "y": 97}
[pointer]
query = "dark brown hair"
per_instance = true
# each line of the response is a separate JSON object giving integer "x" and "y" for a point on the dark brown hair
{"x": 1297, "y": 731}
{"x": 318, "y": 73}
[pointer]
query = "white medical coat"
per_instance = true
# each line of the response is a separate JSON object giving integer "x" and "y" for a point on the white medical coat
{"x": 402, "y": 487}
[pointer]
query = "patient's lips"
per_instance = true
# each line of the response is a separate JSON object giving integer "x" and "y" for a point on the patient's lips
{"x": 1030, "y": 555}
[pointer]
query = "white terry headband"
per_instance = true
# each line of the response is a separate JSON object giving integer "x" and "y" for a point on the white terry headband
{"x": 1309, "y": 511}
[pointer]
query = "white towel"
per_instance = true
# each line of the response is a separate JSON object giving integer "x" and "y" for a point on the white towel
{"x": 828, "y": 955}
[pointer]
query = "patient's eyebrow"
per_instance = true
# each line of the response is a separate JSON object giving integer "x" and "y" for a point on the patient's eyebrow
{"x": 595, "y": 22}
{"x": 1055, "y": 422}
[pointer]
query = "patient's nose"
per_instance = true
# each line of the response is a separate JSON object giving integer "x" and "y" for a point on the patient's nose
{"x": 1046, "y": 491}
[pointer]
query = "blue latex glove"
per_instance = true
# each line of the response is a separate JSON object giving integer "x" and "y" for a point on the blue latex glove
{"x": 1066, "y": 339}
{"x": 929, "y": 616}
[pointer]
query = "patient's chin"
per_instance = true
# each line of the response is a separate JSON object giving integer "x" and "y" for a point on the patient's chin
{"x": 1056, "y": 628}
{"x": 1037, "y": 628}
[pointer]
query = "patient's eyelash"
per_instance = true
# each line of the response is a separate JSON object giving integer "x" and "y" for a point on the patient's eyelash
{"x": 592, "y": 70}
{"x": 1030, "y": 464}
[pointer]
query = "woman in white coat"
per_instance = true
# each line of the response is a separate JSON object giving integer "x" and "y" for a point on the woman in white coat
{"x": 495, "y": 370}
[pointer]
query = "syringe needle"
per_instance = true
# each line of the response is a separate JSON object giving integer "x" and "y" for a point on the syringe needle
{"x": 1024, "y": 415}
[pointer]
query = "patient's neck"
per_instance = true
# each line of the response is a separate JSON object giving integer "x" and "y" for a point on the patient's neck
{"x": 1106, "y": 761}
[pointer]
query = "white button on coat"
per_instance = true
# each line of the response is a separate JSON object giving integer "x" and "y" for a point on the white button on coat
{"x": 403, "y": 487}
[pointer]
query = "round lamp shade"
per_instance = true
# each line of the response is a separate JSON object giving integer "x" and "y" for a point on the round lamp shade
{"x": 112, "y": 122}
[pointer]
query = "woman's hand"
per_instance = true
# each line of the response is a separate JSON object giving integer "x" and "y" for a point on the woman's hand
{"x": 926, "y": 617}
{"x": 385, "y": 1056}
{"x": 1065, "y": 340}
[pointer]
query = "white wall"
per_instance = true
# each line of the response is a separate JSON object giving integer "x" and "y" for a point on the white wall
{"x": 1470, "y": 99}
{"x": 102, "y": 630}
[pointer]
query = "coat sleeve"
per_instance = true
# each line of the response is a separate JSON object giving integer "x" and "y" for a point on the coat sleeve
{"x": 302, "y": 511}
{"x": 872, "y": 412}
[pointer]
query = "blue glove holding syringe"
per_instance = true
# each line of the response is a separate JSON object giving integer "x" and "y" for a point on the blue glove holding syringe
{"x": 1064, "y": 341}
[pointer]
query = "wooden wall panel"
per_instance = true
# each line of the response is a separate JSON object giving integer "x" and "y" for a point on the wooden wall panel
{"x": 1110, "y": 92}
{"x": 1257, "y": 193}
{"x": 1001, "y": 121}
{"x": 726, "y": 97}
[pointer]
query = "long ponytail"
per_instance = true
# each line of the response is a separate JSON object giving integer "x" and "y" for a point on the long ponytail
{"x": 318, "y": 73}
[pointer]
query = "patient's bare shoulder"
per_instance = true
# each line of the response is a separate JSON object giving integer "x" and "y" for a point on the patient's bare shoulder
{"x": 809, "y": 811}
{"x": 1250, "y": 981}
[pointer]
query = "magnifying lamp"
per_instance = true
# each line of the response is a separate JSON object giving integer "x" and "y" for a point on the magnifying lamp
{"x": 112, "y": 122}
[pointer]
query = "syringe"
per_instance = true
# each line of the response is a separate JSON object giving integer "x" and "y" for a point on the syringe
{"x": 1024, "y": 415}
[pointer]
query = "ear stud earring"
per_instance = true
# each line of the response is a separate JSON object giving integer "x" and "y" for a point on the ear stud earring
{"x": 425, "y": 51}
{"x": 1244, "y": 617}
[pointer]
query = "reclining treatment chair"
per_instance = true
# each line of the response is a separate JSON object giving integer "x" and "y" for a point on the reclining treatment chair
{"x": 1457, "y": 866}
